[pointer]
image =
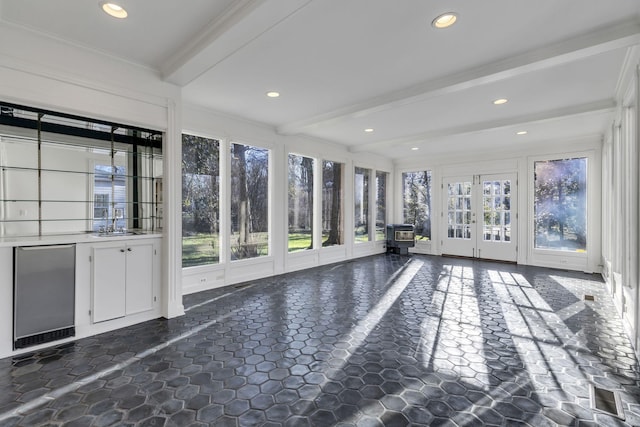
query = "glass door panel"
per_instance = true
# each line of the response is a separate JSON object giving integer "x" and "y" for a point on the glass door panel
{"x": 498, "y": 231}
{"x": 479, "y": 216}
{"x": 459, "y": 216}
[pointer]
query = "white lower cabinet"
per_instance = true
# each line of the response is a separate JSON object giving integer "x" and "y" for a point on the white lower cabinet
{"x": 123, "y": 279}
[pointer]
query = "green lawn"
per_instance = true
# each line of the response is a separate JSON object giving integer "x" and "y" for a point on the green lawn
{"x": 200, "y": 249}
{"x": 299, "y": 241}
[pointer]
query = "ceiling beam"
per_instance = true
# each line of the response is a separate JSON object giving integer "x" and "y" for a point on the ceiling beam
{"x": 605, "y": 106}
{"x": 613, "y": 37}
{"x": 239, "y": 25}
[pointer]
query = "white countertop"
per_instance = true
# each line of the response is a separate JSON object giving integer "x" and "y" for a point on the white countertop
{"x": 61, "y": 239}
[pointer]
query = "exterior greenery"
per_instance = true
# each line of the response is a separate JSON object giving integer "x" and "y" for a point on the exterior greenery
{"x": 361, "y": 205}
{"x": 416, "y": 208}
{"x": 332, "y": 202}
{"x": 560, "y": 204}
{"x": 200, "y": 201}
{"x": 249, "y": 202}
{"x": 300, "y": 201}
{"x": 381, "y": 204}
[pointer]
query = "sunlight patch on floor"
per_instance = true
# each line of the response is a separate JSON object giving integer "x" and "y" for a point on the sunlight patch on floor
{"x": 452, "y": 328}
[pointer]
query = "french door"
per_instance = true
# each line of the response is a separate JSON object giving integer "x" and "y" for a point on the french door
{"x": 480, "y": 213}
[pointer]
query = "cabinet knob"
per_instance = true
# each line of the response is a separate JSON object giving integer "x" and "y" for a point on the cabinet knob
{"x": 129, "y": 249}
{"x": 121, "y": 250}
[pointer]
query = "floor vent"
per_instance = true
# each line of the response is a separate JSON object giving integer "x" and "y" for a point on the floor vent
{"x": 606, "y": 401}
{"x": 589, "y": 298}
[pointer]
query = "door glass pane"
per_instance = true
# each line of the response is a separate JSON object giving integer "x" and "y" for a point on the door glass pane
{"x": 496, "y": 207}
{"x": 560, "y": 204}
{"x": 459, "y": 209}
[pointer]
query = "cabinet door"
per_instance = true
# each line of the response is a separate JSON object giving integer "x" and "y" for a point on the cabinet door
{"x": 139, "y": 277}
{"x": 109, "y": 282}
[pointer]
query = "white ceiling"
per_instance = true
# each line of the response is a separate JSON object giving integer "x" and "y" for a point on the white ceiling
{"x": 343, "y": 66}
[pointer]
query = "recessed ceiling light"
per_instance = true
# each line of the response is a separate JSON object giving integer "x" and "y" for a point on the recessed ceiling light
{"x": 445, "y": 20}
{"x": 113, "y": 9}
{"x": 273, "y": 94}
{"x": 368, "y": 130}
{"x": 500, "y": 101}
{"x": 522, "y": 132}
{"x": 414, "y": 148}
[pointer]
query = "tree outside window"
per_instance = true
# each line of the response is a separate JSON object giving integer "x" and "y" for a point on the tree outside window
{"x": 361, "y": 208}
{"x": 381, "y": 204}
{"x": 560, "y": 204}
{"x": 249, "y": 202}
{"x": 300, "y": 196}
{"x": 200, "y": 201}
{"x": 416, "y": 207}
{"x": 332, "y": 202}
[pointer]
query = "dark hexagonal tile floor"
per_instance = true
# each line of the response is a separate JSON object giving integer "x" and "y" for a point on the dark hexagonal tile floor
{"x": 381, "y": 341}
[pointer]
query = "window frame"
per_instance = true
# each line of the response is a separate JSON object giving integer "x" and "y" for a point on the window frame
{"x": 585, "y": 261}
{"x": 220, "y": 250}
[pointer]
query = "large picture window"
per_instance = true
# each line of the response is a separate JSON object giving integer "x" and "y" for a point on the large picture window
{"x": 381, "y": 204}
{"x": 560, "y": 204}
{"x": 200, "y": 201}
{"x": 361, "y": 207}
{"x": 249, "y": 202}
{"x": 332, "y": 202}
{"x": 300, "y": 197}
{"x": 416, "y": 206}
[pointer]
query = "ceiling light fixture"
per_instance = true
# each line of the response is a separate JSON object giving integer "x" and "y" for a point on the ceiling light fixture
{"x": 445, "y": 20}
{"x": 113, "y": 9}
{"x": 522, "y": 132}
{"x": 368, "y": 130}
{"x": 273, "y": 94}
{"x": 414, "y": 148}
{"x": 500, "y": 101}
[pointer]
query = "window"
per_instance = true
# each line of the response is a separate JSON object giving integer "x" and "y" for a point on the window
{"x": 300, "y": 196}
{"x": 560, "y": 204}
{"x": 332, "y": 201}
{"x": 100, "y": 208}
{"x": 200, "y": 201}
{"x": 361, "y": 208}
{"x": 381, "y": 204}
{"x": 249, "y": 202}
{"x": 416, "y": 207}
{"x": 108, "y": 181}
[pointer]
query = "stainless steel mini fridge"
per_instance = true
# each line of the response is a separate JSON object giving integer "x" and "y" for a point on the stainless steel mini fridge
{"x": 44, "y": 294}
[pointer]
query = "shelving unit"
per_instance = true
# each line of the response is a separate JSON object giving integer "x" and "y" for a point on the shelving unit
{"x": 66, "y": 174}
